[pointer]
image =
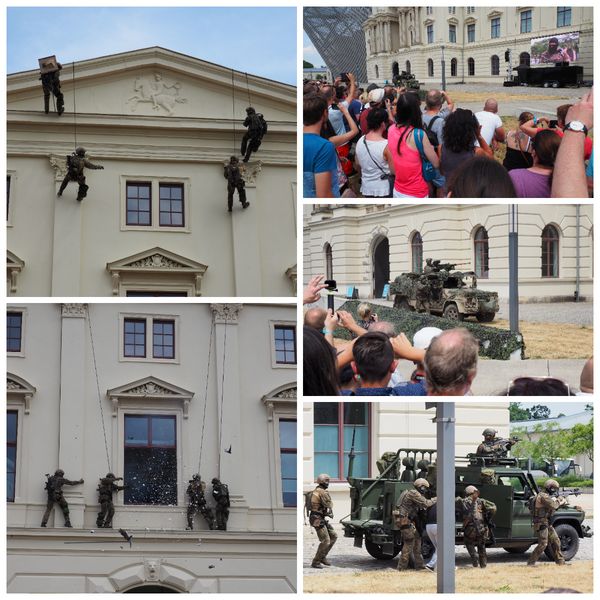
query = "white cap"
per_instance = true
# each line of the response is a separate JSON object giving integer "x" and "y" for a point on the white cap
{"x": 423, "y": 337}
{"x": 376, "y": 95}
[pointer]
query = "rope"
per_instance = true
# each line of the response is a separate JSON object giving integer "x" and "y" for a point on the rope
{"x": 89, "y": 320}
{"x": 212, "y": 330}
{"x": 221, "y": 407}
{"x": 248, "y": 88}
{"x": 74, "y": 109}
{"x": 233, "y": 109}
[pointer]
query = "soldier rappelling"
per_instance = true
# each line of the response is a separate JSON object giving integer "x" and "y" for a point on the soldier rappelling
{"x": 76, "y": 162}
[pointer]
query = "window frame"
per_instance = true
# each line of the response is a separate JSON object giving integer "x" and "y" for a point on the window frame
{"x": 155, "y": 185}
{"x": 150, "y": 211}
{"x": 552, "y": 245}
{"x": 292, "y": 328}
{"x": 470, "y": 30}
{"x": 149, "y": 320}
{"x": 282, "y": 323}
{"x": 163, "y": 185}
{"x": 471, "y": 67}
{"x": 291, "y": 450}
{"x": 14, "y": 444}
{"x": 453, "y": 67}
{"x": 430, "y": 68}
{"x": 452, "y": 33}
{"x": 11, "y": 195}
{"x": 525, "y": 19}
{"x": 481, "y": 251}
{"x": 430, "y": 33}
{"x": 23, "y": 312}
{"x": 495, "y": 27}
{"x": 340, "y": 452}
{"x": 416, "y": 246}
{"x": 563, "y": 11}
{"x": 495, "y": 65}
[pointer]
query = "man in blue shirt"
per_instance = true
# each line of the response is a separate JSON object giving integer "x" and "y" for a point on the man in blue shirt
{"x": 320, "y": 158}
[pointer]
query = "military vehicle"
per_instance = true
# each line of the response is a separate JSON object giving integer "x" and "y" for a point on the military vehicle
{"x": 406, "y": 80}
{"x": 441, "y": 290}
{"x": 499, "y": 480}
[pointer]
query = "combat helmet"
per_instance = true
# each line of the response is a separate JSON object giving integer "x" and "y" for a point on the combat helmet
{"x": 470, "y": 489}
{"x": 110, "y": 476}
{"x": 421, "y": 483}
{"x": 488, "y": 476}
{"x": 551, "y": 484}
{"x": 323, "y": 478}
{"x": 59, "y": 473}
{"x": 489, "y": 431}
{"x": 423, "y": 464}
{"x": 80, "y": 151}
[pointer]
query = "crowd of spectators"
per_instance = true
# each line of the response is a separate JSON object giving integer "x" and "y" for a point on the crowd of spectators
{"x": 395, "y": 145}
{"x": 444, "y": 362}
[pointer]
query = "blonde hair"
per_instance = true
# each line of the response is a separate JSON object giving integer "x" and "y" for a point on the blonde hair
{"x": 364, "y": 310}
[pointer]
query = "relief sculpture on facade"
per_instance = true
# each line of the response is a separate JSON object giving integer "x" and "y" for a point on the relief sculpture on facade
{"x": 156, "y": 92}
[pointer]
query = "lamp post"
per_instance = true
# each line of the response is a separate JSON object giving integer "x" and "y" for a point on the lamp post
{"x": 443, "y": 70}
{"x": 513, "y": 267}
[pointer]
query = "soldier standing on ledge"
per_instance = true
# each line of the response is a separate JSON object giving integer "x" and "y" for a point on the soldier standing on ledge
{"x": 197, "y": 502}
{"x": 75, "y": 165}
{"x": 321, "y": 507}
{"x": 106, "y": 487}
{"x": 235, "y": 181}
{"x": 476, "y": 513}
{"x": 220, "y": 494}
{"x": 51, "y": 85}
{"x": 544, "y": 505}
{"x": 54, "y": 488}
{"x": 257, "y": 127}
{"x": 406, "y": 517}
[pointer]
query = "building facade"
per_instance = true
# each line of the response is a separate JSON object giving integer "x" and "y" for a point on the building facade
{"x": 378, "y": 427}
{"x": 366, "y": 246}
{"x": 155, "y": 220}
{"x": 471, "y": 39}
{"x": 154, "y": 393}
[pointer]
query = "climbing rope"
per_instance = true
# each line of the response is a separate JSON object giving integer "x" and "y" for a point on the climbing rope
{"x": 74, "y": 109}
{"x": 89, "y": 320}
{"x": 212, "y": 330}
{"x": 221, "y": 407}
{"x": 233, "y": 109}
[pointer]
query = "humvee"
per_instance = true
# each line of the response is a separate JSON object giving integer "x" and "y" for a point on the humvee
{"x": 373, "y": 499}
{"x": 444, "y": 292}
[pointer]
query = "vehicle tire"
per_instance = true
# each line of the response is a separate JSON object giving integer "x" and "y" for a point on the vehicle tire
{"x": 517, "y": 549}
{"x": 451, "y": 312}
{"x": 485, "y": 317}
{"x": 546, "y": 84}
{"x": 569, "y": 541}
{"x": 376, "y": 551}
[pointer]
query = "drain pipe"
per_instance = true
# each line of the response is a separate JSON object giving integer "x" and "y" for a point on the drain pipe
{"x": 577, "y": 251}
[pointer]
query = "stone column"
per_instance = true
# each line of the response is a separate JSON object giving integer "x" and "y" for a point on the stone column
{"x": 68, "y": 215}
{"x": 232, "y": 465}
{"x": 402, "y": 32}
{"x": 72, "y": 408}
{"x": 245, "y": 236}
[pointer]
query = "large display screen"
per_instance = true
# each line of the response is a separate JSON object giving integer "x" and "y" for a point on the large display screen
{"x": 555, "y": 48}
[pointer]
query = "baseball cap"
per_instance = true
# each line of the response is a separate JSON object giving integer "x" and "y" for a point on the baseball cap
{"x": 423, "y": 337}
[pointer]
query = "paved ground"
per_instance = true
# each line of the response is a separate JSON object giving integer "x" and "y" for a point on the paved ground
{"x": 346, "y": 559}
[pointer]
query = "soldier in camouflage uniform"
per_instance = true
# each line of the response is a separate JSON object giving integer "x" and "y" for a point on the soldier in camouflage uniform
{"x": 321, "y": 507}
{"x": 406, "y": 517}
{"x": 197, "y": 503}
{"x": 544, "y": 506}
{"x": 387, "y": 458}
{"x": 54, "y": 488}
{"x": 494, "y": 446}
{"x": 235, "y": 181}
{"x": 220, "y": 494}
{"x": 106, "y": 487}
{"x": 76, "y": 162}
{"x": 475, "y": 511}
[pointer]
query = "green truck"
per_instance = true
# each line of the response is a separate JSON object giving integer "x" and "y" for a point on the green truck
{"x": 373, "y": 499}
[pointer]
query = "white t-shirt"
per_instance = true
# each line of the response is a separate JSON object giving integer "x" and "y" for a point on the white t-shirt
{"x": 489, "y": 123}
{"x": 372, "y": 184}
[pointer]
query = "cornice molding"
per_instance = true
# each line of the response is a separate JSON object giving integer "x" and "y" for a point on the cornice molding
{"x": 226, "y": 313}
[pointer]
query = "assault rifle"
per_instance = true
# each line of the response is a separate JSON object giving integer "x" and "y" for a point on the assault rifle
{"x": 568, "y": 492}
{"x": 491, "y": 527}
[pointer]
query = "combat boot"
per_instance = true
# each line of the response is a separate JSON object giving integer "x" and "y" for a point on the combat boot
{"x": 531, "y": 563}
{"x": 474, "y": 561}
{"x": 245, "y": 204}
{"x": 68, "y": 523}
{"x": 561, "y": 562}
{"x": 316, "y": 565}
{"x": 325, "y": 562}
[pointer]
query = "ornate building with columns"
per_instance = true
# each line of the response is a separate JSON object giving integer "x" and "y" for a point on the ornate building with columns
{"x": 155, "y": 220}
{"x": 154, "y": 393}
{"x": 471, "y": 39}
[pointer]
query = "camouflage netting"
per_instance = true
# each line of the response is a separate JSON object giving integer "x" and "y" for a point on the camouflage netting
{"x": 493, "y": 343}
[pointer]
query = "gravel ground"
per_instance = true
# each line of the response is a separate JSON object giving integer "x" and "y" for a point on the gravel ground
{"x": 579, "y": 313}
{"x": 346, "y": 559}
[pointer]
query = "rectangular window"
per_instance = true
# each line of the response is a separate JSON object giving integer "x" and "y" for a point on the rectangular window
{"x": 430, "y": 34}
{"x": 171, "y": 205}
{"x": 496, "y": 27}
{"x": 429, "y": 10}
{"x": 14, "y": 331}
{"x": 11, "y": 454}
{"x": 526, "y": 21}
{"x": 150, "y": 468}
{"x": 134, "y": 331}
{"x": 139, "y": 203}
{"x": 7, "y": 196}
{"x": 285, "y": 344}
{"x": 287, "y": 455}
{"x": 471, "y": 32}
{"x": 163, "y": 339}
{"x": 563, "y": 16}
{"x": 452, "y": 34}
{"x": 335, "y": 425}
{"x": 452, "y": 10}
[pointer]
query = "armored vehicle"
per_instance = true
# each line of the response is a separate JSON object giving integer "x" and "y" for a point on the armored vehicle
{"x": 406, "y": 80}
{"x": 499, "y": 480}
{"x": 441, "y": 290}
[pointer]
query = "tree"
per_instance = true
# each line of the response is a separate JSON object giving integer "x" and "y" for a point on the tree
{"x": 581, "y": 440}
{"x": 551, "y": 444}
{"x": 589, "y": 407}
{"x": 517, "y": 413}
{"x": 539, "y": 411}
{"x": 307, "y": 65}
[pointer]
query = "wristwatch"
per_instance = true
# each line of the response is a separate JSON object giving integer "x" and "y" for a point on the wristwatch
{"x": 576, "y": 126}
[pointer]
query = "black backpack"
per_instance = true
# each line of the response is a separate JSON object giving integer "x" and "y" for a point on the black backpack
{"x": 432, "y": 135}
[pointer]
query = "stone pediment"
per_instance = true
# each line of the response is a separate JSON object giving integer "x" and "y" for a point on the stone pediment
{"x": 14, "y": 265}
{"x": 284, "y": 397}
{"x": 159, "y": 84}
{"x": 150, "y": 389}
{"x": 19, "y": 387}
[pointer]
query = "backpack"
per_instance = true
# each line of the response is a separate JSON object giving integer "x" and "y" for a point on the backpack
{"x": 432, "y": 135}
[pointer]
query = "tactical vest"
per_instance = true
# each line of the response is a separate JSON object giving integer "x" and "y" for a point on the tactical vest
{"x": 320, "y": 501}
{"x": 406, "y": 504}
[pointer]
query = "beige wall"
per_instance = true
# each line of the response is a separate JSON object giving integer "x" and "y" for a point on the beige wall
{"x": 447, "y": 232}
{"x": 406, "y": 425}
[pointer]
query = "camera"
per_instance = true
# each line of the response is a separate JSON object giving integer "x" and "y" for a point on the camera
{"x": 331, "y": 287}
{"x": 344, "y": 77}
{"x": 553, "y": 124}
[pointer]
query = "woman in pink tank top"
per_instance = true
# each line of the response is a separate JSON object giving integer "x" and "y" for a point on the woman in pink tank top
{"x": 409, "y": 181}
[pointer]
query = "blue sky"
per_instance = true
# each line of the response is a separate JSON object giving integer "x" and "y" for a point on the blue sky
{"x": 261, "y": 41}
{"x": 310, "y": 52}
{"x": 567, "y": 408}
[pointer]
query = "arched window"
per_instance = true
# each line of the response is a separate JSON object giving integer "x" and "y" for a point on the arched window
{"x": 482, "y": 269}
{"x": 471, "y": 64}
{"x": 408, "y": 66}
{"x": 416, "y": 246}
{"x": 495, "y": 65}
{"x": 328, "y": 261}
{"x": 395, "y": 69}
{"x": 429, "y": 67}
{"x": 550, "y": 251}
{"x": 524, "y": 59}
{"x": 453, "y": 67}
{"x": 376, "y": 71}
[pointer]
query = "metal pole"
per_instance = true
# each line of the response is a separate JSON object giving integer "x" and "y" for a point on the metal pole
{"x": 445, "y": 487}
{"x": 577, "y": 251}
{"x": 443, "y": 70}
{"x": 513, "y": 267}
